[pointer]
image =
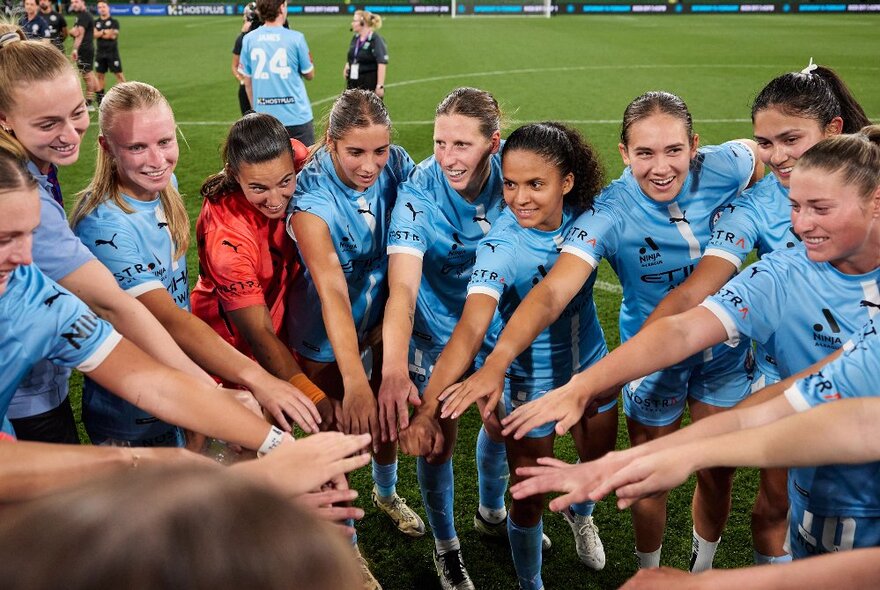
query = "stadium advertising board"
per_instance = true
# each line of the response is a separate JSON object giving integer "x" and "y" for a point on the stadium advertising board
{"x": 499, "y": 7}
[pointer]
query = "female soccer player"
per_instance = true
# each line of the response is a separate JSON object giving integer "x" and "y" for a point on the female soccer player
{"x": 367, "y": 59}
{"x": 41, "y": 319}
{"x": 339, "y": 219}
{"x": 133, "y": 219}
{"x": 442, "y": 212}
{"x": 800, "y": 303}
{"x": 550, "y": 177}
{"x": 790, "y": 115}
{"x": 42, "y": 120}
{"x": 651, "y": 224}
{"x": 246, "y": 258}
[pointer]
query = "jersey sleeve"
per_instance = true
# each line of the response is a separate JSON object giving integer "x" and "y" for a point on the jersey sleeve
{"x": 853, "y": 374}
{"x": 231, "y": 260}
{"x": 117, "y": 249}
{"x": 80, "y": 339}
{"x": 593, "y": 236}
{"x": 303, "y": 57}
{"x": 56, "y": 250}
{"x": 739, "y": 161}
{"x": 380, "y": 51}
{"x": 244, "y": 63}
{"x": 736, "y": 233}
{"x": 495, "y": 267}
{"x": 411, "y": 231}
{"x": 751, "y": 304}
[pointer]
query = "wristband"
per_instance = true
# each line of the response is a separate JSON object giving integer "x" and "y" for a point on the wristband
{"x": 273, "y": 440}
{"x": 309, "y": 389}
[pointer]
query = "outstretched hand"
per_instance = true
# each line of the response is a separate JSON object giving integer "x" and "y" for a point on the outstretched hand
{"x": 562, "y": 405}
{"x": 396, "y": 393}
{"x": 486, "y": 384}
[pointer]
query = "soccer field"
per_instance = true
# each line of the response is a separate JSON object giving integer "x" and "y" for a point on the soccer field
{"x": 582, "y": 70}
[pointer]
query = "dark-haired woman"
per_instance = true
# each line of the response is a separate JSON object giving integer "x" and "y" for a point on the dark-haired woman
{"x": 550, "y": 177}
{"x": 790, "y": 115}
{"x": 246, "y": 259}
{"x": 651, "y": 224}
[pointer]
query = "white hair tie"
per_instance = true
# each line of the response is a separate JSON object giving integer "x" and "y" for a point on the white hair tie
{"x": 7, "y": 38}
{"x": 810, "y": 67}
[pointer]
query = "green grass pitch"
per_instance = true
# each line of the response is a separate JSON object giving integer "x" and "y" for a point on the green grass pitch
{"x": 583, "y": 70}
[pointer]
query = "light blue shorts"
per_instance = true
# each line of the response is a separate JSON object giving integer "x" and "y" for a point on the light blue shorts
{"x": 659, "y": 399}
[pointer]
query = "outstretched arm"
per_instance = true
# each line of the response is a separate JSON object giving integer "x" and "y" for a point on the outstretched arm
{"x": 423, "y": 437}
{"x": 404, "y": 277}
{"x": 359, "y": 408}
{"x": 655, "y": 347}
{"x": 711, "y": 274}
{"x": 541, "y": 307}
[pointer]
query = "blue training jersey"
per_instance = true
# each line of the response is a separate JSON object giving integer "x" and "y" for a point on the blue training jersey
{"x": 511, "y": 260}
{"x": 275, "y": 58}
{"x": 358, "y": 224}
{"x": 435, "y": 223}
{"x": 840, "y": 490}
{"x": 138, "y": 249}
{"x": 57, "y": 252}
{"x": 800, "y": 310}
{"x": 652, "y": 246}
{"x": 40, "y": 319}
{"x": 759, "y": 218}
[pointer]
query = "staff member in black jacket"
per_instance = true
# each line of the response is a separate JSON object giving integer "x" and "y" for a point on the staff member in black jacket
{"x": 367, "y": 54}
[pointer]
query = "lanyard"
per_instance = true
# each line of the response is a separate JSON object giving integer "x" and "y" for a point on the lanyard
{"x": 358, "y": 44}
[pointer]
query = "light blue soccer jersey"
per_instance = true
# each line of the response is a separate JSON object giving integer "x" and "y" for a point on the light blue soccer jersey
{"x": 801, "y": 311}
{"x": 435, "y": 223}
{"x": 138, "y": 249}
{"x": 57, "y": 252}
{"x": 358, "y": 224}
{"x": 275, "y": 58}
{"x": 652, "y": 246}
{"x": 759, "y": 218}
{"x": 40, "y": 319}
{"x": 840, "y": 490}
{"x": 511, "y": 260}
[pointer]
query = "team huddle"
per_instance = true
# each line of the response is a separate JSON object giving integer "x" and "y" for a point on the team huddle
{"x": 344, "y": 287}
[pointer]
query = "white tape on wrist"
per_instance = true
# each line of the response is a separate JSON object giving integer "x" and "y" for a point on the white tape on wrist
{"x": 273, "y": 440}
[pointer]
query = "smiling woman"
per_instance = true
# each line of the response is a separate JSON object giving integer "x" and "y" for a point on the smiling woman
{"x": 134, "y": 220}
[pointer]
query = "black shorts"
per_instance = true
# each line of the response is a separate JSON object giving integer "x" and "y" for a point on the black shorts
{"x": 85, "y": 61}
{"x": 55, "y": 426}
{"x": 108, "y": 61}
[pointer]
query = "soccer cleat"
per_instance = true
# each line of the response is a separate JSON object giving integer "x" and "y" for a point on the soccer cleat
{"x": 450, "y": 569}
{"x": 586, "y": 539}
{"x": 498, "y": 530}
{"x": 369, "y": 580}
{"x": 404, "y": 518}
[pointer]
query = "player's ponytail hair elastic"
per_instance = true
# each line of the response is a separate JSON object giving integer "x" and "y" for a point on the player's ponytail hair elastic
{"x": 855, "y": 157}
{"x": 564, "y": 148}
{"x": 125, "y": 98}
{"x": 817, "y": 93}
{"x": 254, "y": 139}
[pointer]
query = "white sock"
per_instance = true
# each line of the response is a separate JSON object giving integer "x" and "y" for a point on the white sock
{"x": 702, "y": 554}
{"x": 761, "y": 559}
{"x": 493, "y": 515}
{"x": 650, "y": 559}
{"x": 447, "y": 545}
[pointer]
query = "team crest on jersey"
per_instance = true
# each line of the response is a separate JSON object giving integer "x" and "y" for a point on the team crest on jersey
{"x": 718, "y": 213}
{"x": 649, "y": 253}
